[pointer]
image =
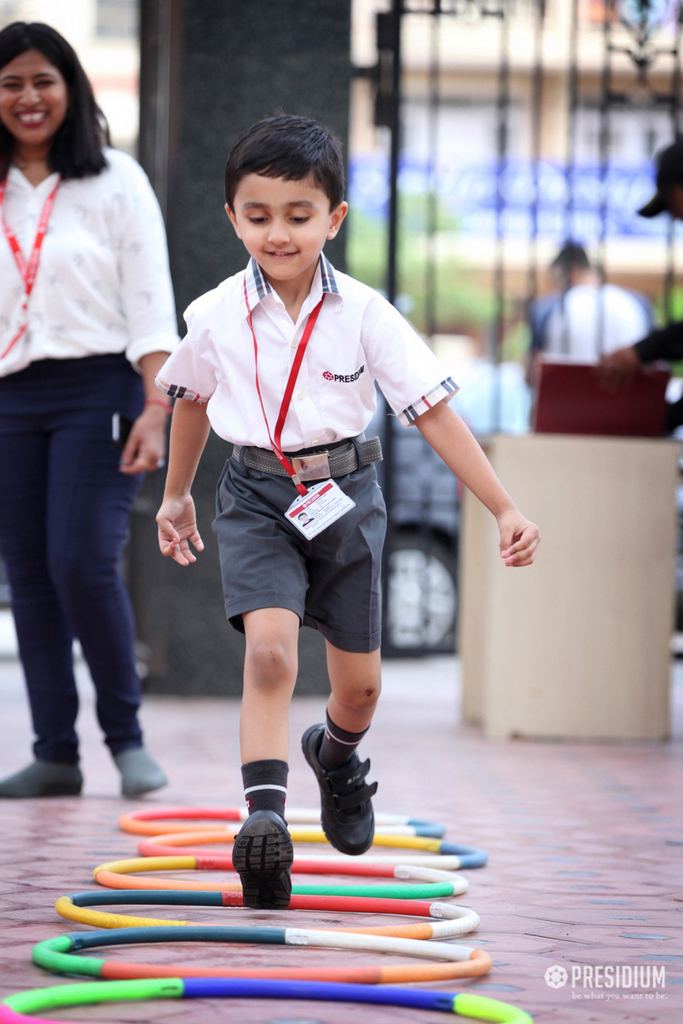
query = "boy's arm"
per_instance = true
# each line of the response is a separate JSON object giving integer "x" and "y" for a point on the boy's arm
{"x": 450, "y": 438}
{"x": 176, "y": 518}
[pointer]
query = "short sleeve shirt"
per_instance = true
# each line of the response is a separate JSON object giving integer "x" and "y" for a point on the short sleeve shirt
{"x": 359, "y": 338}
{"x": 103, "y": 283}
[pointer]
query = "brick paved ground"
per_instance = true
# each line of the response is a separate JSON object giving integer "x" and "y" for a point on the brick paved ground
{"x": 585, "y": 845}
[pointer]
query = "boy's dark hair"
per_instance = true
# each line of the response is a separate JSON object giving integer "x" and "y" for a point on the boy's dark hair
{"x": 289, "y": 147}
{"x": 571, "y": 256}
{"x": 77, "y": 148}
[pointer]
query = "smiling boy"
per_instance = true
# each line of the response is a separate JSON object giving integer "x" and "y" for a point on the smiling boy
{"x": 281, "y": 360}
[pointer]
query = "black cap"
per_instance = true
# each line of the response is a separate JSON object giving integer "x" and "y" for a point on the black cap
{"x": 571, "y": 255}
{"x": 669, "y": 172}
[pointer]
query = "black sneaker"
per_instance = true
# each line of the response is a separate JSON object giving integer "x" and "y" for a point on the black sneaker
{"x": 262, "y": 855}
{"x": 346, "y": 808}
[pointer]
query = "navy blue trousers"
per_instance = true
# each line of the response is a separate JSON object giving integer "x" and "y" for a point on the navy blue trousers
{"x": 64, "y": 509}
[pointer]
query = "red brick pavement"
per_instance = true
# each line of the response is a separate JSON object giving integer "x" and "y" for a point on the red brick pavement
{"x": 585, "y": 845}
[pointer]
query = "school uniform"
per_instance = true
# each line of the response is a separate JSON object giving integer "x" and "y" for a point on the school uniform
{"x": 331, "y": 581}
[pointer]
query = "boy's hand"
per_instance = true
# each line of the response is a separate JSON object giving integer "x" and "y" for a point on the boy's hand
{"x": 518, "y": 538}
{"x": 178, "y": 528}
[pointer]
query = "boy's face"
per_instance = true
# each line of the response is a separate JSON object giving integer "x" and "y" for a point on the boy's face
{"x": 284, "y": 225}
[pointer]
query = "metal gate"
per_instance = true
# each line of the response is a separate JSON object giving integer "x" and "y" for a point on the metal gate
{"x": 618, "y": 75}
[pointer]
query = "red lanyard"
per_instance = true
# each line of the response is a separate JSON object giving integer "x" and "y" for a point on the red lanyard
{"x": 28, "y": 270}
{"x": 291, "y": 381}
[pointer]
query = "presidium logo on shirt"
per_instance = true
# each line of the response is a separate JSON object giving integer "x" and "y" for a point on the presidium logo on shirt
{"x": 344, "y": 378}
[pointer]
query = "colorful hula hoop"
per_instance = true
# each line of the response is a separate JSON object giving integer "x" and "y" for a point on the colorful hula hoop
{"x": 14, "y": 1009}
{"x": 351, "y": 866}
{"x": 134, "y": 822}
{"x": 469, "y": 857}
{"x": 116, "y": 875}
{"x": 57, "y": 955}
{"x": 317, "y": 863}
{"x": 76, "y": 907}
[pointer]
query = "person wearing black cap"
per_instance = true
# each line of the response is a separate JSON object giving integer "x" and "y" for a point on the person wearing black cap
{"x": 666, "y": 344}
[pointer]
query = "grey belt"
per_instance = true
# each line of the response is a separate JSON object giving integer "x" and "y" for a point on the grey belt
{"x": 343, "y": 459}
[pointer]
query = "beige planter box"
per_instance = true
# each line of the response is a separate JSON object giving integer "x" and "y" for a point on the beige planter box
{"x": 577, "y": 645}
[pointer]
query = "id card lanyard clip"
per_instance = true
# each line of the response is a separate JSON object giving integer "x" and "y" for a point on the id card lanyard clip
{"x": 28, "y": 270}
{"x": 289, "y": 389}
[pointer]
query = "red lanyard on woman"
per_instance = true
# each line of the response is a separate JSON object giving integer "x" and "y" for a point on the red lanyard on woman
{"x": 28, "y": 270}
{"x": 291, "y": 381}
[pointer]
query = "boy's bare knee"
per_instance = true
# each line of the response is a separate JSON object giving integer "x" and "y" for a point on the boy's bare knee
{"x": 270, "y": 663}
{"x": 361, "y": 699}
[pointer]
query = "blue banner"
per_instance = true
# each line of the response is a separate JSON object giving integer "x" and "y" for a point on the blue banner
{"x": 469, "y": 192}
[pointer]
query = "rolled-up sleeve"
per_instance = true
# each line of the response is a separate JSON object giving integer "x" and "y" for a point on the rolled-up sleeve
{"x": 146, "y": 289}
{"x": 190, "y": 371}
{"x": 410, "y": 376}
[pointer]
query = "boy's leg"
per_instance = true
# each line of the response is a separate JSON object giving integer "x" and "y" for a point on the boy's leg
{"x": 262, "y": 852}
{"x": 270, "y": 668}
{"x": 356, "y": 681}
{"x": 330, "y": 749}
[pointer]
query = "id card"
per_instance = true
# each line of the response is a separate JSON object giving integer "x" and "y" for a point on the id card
{"x": 313, "y": 512}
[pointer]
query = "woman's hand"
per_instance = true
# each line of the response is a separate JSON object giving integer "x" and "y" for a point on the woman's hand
{"x": 519, "y": 538}
{"x": 146, "y": 445}
{"x": 177, "y": 523}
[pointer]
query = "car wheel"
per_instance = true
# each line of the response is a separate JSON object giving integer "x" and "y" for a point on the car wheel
{"x": 422, "y": 595}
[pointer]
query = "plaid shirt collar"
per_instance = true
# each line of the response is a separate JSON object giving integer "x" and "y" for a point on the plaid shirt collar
{"x": 257, "y": 286}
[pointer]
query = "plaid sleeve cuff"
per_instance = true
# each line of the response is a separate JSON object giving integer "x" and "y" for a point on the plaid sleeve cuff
{"x": 177, "y": 391}
{"x": 446, "y": 389}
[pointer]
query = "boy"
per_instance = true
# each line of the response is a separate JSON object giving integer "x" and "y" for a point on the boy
{"x": 281, "y": 360}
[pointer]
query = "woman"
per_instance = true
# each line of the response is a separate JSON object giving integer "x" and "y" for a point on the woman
{"x": 86, "y": 320}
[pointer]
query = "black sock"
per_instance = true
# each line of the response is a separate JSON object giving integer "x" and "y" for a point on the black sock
{"x": 337, "y": 746}
{"x": 265, "y": 785}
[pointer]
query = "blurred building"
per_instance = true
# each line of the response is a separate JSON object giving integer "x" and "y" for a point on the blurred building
{"x": 466, "y": 48}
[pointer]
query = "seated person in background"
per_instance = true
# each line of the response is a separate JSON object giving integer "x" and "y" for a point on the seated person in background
{"x": 666, "y": 345}
{"x": 583, "y": 319}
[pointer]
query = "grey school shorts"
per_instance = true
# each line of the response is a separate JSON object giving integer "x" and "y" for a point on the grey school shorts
{"x": 331, "y": 582}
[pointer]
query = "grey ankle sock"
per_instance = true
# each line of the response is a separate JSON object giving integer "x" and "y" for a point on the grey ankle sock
{"x": 139, "y": 772}
{"x": 43, "y": 778}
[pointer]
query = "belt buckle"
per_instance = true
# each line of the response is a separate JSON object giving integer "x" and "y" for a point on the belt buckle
{"x": 313, "y": 467}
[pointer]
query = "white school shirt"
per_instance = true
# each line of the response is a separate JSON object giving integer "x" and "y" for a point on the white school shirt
{"x": 103, "y": 283}
{"x": 358, "y": 338}
{"x": 591, "y": 321}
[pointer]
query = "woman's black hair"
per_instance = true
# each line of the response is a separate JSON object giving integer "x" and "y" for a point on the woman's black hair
{"x": 77, "y": 149}
{"x": 289, "y": 147}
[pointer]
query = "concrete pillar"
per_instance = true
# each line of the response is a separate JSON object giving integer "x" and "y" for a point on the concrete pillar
{"x": 209, "y": 69}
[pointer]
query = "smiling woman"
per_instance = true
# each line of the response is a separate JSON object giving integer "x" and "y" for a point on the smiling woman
{"x": 33, "y": 105}
{"x": 49, "y": 120}
{"x": 86, "y": 320}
